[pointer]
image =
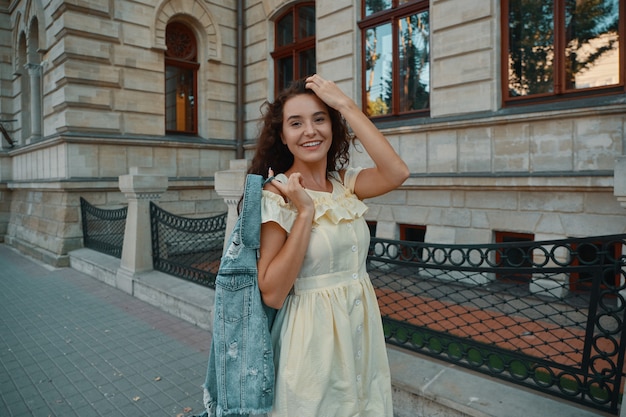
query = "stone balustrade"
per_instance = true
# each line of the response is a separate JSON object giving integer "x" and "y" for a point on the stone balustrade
{"x": 140, "y": 186}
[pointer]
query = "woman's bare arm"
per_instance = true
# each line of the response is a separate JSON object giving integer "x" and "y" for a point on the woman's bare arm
{"x": 390, "y": 171}
{"x": 282, "y": 254}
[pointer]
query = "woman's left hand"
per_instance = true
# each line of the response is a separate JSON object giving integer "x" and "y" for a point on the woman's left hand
{"x": 328, "y": 92}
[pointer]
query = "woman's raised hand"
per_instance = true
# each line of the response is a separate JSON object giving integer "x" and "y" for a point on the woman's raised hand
{"x": 328, "y": 92}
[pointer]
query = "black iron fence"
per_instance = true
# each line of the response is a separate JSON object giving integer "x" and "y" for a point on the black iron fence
{"x": 185, "y": 247}
{"x": 103, "y": 229}
{"x": 546, "y": 315}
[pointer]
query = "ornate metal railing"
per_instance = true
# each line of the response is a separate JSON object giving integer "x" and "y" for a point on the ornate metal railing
{"x": 185, "y": 247}
{"x": 546, "y": 315}
{"x": 103, "y": 229}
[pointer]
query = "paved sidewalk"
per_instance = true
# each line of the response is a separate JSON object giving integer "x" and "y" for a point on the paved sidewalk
{"x": 73, "y": 346}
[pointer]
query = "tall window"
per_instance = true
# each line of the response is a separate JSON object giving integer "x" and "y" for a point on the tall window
{"x": 294, "y": 50}
{"x": 561, "y": 48}
{"x": 181, "y": 79}
{"x": 396, "y": 57}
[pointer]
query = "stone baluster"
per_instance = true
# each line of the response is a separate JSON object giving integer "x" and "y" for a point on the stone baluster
{"x": 140, "y": 186}
{"x": 619, "y": 180}
{"x": 229, "y": 185}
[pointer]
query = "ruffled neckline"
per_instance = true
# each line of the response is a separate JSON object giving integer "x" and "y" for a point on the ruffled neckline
{"x": 337, "y": 205}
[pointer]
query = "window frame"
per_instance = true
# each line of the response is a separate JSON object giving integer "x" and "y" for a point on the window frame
{"x": 577, "y": 280}
{"x": 500, "y": 237}
{"x": 398, "y": 10}
{"x": 560, "y": 93}
{"x": 186, "y": 64}
{"x": 372, "y": 225}
{"x": 296, "y": 47}
{"x": 408, "y": 253}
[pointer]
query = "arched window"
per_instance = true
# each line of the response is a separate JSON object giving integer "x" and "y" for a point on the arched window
{"x": 181, "y": 79}
{"x": 294, "y": 49}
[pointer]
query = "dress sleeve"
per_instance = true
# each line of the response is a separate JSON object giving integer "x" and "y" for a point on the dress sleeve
{"x": 349, "y": 178}
{"x": 275, "y": 209}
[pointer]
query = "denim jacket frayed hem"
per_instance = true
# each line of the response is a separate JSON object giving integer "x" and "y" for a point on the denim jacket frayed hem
{"x": 240, "y": 373}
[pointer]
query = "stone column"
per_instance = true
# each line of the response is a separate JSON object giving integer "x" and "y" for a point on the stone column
{"x": 229, "y": 185}
{"x": 619, "y": 180}
{"x": 34, "y": 74}
{"x": 140, "y": 186}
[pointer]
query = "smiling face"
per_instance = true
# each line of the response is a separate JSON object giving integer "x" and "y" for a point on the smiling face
{"x": 307, "y": 129}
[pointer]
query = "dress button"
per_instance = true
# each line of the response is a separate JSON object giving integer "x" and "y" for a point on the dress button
{"x": 359, "y": 329}
{"x": 358, "y": 378}
{"x": 355, "y": 275}
{"x": 357, "y": 302}
{"x": 353, "y": 248}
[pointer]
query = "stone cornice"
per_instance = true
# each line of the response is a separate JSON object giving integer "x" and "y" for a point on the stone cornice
{"x": 96, "y": 139}
{"x": 557, "y": 182}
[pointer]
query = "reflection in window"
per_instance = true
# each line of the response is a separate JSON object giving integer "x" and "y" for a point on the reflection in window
{"x": 591, "y": 44}
{"x": 284, "y": 30}
{"x": 413, "y": 56}
{"x": 378, "y": 70}
{"x": 375, "y": 6}
{"x": 294, "y": 51}
{"x": 181, "y": 69}
{"x": 558, "y": 47}
{"x": 396, "y": 57}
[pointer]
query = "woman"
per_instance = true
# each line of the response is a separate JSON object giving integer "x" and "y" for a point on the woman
{"x": 328, "y": 342}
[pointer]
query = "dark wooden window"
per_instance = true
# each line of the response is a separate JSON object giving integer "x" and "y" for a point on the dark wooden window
{"x": 559, "y": 49}
{"x": 371, "y": 225}
{"x": 518, "y": 256}
{"x": 596, "y": 254}
{"x": 412, "y": 233}
{"x": 294, "y": 49}
{"x": 396, "y": 57}
{"x": 181, "y": 80}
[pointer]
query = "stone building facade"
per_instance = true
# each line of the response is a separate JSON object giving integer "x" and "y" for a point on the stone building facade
{"x": 84, "y": 97}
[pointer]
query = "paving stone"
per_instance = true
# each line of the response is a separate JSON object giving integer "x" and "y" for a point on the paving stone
{"x": 74, "y": 346}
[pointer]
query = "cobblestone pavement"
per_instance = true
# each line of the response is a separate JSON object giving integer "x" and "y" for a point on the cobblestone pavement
{"x": 73, "y": 346}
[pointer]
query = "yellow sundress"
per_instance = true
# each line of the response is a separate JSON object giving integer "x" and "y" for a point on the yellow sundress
{"x": 329, "y": 348}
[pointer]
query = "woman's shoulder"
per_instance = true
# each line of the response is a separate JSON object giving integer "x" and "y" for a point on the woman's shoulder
{"x": 347, "y": 177}
{"x": 274, "y": 208}
{"x": 272, "y": 189}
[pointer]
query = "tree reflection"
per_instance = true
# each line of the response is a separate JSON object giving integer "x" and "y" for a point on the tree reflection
{"x": 397, "y": 62}
{"x": 539, "y": 51}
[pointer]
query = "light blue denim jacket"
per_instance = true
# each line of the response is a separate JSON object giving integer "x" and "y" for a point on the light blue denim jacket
{"x": 240, "y": 374}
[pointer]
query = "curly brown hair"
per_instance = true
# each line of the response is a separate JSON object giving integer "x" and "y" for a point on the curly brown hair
{"x": 271, "y": 152}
